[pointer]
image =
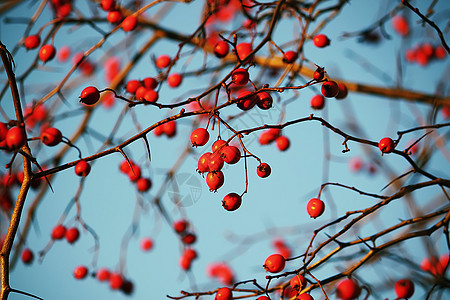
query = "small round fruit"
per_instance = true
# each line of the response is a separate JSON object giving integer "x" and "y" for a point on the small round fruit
{"x": 240, "y": 76}
{"x": 27, "y": 256}
{"x": 51, "y": 136}
{"x": 315, "y": 207}
{"x": 170, "y": 128}
{"x": 108, "y": 5}
{"x": 146, "y": 244}
{"x": 282, "y": 142}
{"x": 264, "y": 100}
{"x": 298, "y": 282}
{"x": 224, "y": 293}
{"x": 184, "y": 262}
{"x": 215, "y": 180}
{"x": 348, "y": 289}
{"x": 289, "y": 57}
{"x": 189, "y": 238}
{"x": 319, "y": 73}
{"x": 80, "y": 272}
{"x": 90, "y": 95}
{"x": 47, "y": 52}
{"x": 274, "y": 263}
{"x": 72, "y": 234}
{"x": 32, "y": 41}
{"x": 263, "y": 170}
{"x": 329, "y": 89}
{"x": 190, "y": 253}
{"x": 150, "y": 83}
{"x": 180, "y": 225}
{"x": 129, "y": 23}
{"x": 215, "y": 162}
{"x": 317, "y": 102}
{"x": 174, "y": 80}
{"x": 321, "y": 41}
{"x": 102, "y": 274}
{"x": 15, "y": 137}
{"x": 263, "y": 298}
{"x": 404, "y": 288}
{"x": 162, "y": 61}
{"x": 304, "y": 296}
{"x": 230, "y": 154}
{"x": 114, "y": 16}
{"x": 386, "y": 145}
{"x": 199, "y": 137}
{"x": 132, "y": 86}
{"x": 143, "y": 184}
{"x": 231, "y": 201}
{"x": 218, "y": 145}
{"x": 82, "y": 168}
{"x": 247, "y": 102}
{"x": 203, "y": 163}
{"x": 221, "y": 49}
{"x": 243, "y": 50}
{"x": 400, "y": 25}
{"x": 343, "y": 91}
{"x": 58, "y": 232}
{"x": 3, "y": 131}
{"x": 115, "y": 281}
{"x": 150, "y": 95}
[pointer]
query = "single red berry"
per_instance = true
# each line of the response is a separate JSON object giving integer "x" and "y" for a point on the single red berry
{"x": 126, "y": 166}
{"x": 190, "y": 253}
{"x": 262, "y": 298}
{"x": 115, "y": 281}
{"x": 15, "y": 137}
{"x": 27, "y": 256}
{"x": 150, "y": 83}
{"x": 162, "y": 61}
{"x": 315, "y": 207}
{"x": 58, "y": 232}
{"x": 355, "y": 164}
{"x": 102, "y": 274}
{"x": 348, "y": 289}
{"x": 263, "y": 170}
{"x": 321, "y": 41}
{"x": 317, "y": 102}
{"x": 221, "y": 49}
{"x": 215, "y": 162}
{"x": 89, "y": 95}
{"x": 3, "y": 131}
{"x": 319, "y": 73}
{"x": 135, "y": 173}
{"x": 230, "y": 154}
{"x": 150, "y": 95}
{"x": 218, "y": 145}
{"x": 184, "y": 262}
{"x": 199, "y": 137}
{"x": 304, "y": 296}
{"x": 404, "y": 288}
{"x": 132, "y": 86}
{"x": 143, "y": 184}
{"x": 215, "y": 180}
{"x": 170, "y": 128}
{"x": 129, "y": 23}
{"x": 298, "y": 282}
{"x": 240, "y": 76}
{"x": 108, "y": 5}
{"x": 283, "y": 143}
{"x": 274, "y": 263}
{"x": 189, "y": 238}
{"x": 440, "y": 52}
{"x": 289, "y": 57}
{"x": 47, "y": 52}
{"x": 114, "y": 17}
{"x": 174, "y": 80}
{"x": 72, "y": 234}
{"x": 80, "y": 272}
{"x": 400, "y": 25}
{"x": 224, "y": 293}
{"x": 51, "y": 136}
{"x": 32, "y": 41}
{"x": 269, "y": 136}
{"x": 264, "y": 100}
{"x": 180, "y": 226}
{"x": 82, "y": 168}
{"x": 247, "y": 102}
{"x": 146, "y": 244}
{"x": 203, "y": 163}
{"x": 329, "y": 89}
{"x": 140, "y": 92}
{"x": 231, "y": 201}
{"x": 243, "y": 50}
{"x": 386, "y": 145}
{"x": 343, "y": 91}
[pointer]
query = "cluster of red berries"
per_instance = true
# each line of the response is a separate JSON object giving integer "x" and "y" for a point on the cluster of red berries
{"x": 84, "y": 65}
{"x": 134, "y": 173}
{"x": 274, "y": 135}
{"x": 143, "y": 90}
{"x": 425, "y": 53}
{"x": 34, "y": 115}
{"x": 222, "y": 272}
{"x": 356, "y": 164}
{"x": 115, "y": 16}
{"x": 116, "y": 280}
{"x": 188, "y": 238}
{"x": 434, "y": 265}
{"x": 168, "y": 128}
{"x": 62, "y": 8}
{"x": 71, "y": 234}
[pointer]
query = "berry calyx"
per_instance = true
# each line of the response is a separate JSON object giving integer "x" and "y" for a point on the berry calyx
{"x": 199, "y": 137}
{"x": 321, "y": 41}
{"x": 329, "y": 89}
{"x": 231, "y": 201}
{"x": 386, "y": 145}
{"x": 348, "y": 289}
{"x": 240, "y": 76}
{"x": 89, "y": 95}
{"x": 47, "y": 52}
{"x": 129, "y": 23}
{"x": 32, "y": 41}
{"x": 221, "y": 49}
{"x": 82, "y": 168}
{"x": 274, "y": 263}
{"x": 404, "y": 288}
{"x": 263, "y": 170}
{"x": 80, "y": 272}
{"x": 51, "y": 136}
{"x": 224, "y": 293}
{"x": 315, "y": 207}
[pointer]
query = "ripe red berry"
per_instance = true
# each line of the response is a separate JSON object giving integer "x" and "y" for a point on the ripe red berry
{"x": 231, "y": 201}
{"x": 15, "y": 137}
{"x": 170, "y": 128}
{"x": 129, "y": 23}
{"x": 190, "y": 253}
{"x": 319, "y": 73}
{"x": 180, "y": 225}
{"x": 274, "y": 263}
{"x": 221, "y": 49}
{"x": 132, "y": 86}
{"x": 283, "y": 143}
{"x": 240, "y": 77}
{"x": 224, "y": 294}
{"x": 134, "y": 173}
{"x": 51, "y": 136}
{"x": 243, "y": 50}
{"x": 80, "y": 272}
{"x": 174, "y": 80}
{"x": 150, "y": 95}
{"x": 404, "y": 288}
{"x": 218, "y": 145}
{"x": 298, "y": 282}
{"x": 321, "y": 41}
{"x": 143, "y": 184}
{"x": 386, "y": 145}
{"x": 58, "y": 232}
{"x": 162, "y": 61}
{"x": 184, "y": 262}
{"x": 115, "y": 281}
{"x": 264, "y": 100}
{"x": 199, "y": 137}
{"x": 215, "y": 180}
{"x": 108, "y": 5}
{"x": 114, "y": 17}
{"x": 82, "y": 168}
{"x": 269, "y": 136}
{"x": 72, "y": 234}
{"x": 230, "y": 154}
{"x": 47, "y": 52}
{"x": 150, "y": 83}
{"x": 317, "y": 102}
{"x": 189, "y": 238}
{"x": 32, "y": 41}
{"x": 215, "y": 162}
{"x": 315, "y": 207}
{"x": 203, "y": 163}
{"x": 329, "y": 89}
{"x": 27, "y": 256}
{"x": 3, "y": 131}
{"x": 247, "y": 102}
{"x": 348, "y": 289}
{"x": 304, "y": 296}
{"x": 262, "y": 298}
{"x": 400, "y": 25}
{"x": 89, "y": 95}
{"x": 146, "y": 244}
{"x": 289, "y": 57}
{"x": 102, "y": 274}
{"x": 343, "y": 91}
{"x": 263, "y": 170}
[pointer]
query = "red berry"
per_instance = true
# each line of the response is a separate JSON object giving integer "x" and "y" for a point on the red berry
{"x": 274, "y": 263}
{"x": 230, "y": 154}
{"x": 190, "y": 253}
{"x": 218, "y": 145}
{"x": 47, "y": 52}
{"x": 184, "y": 262}
{"x": 15, "y": 137}
{"x": 215, "y": 162}
{"x": 304, "y": 296}
{"x": 283, "y": 143}
{"x": 243, "y": 50}
{"x": 224, "y": 294}
{"x": 80, "y": 272}
{"x": 162, "y": 61}
{"x": 240, "y": 76}
{"x": 102, "y": 274}
{"x": 115, "y": 281}
{"x": 386, "y": 145}
{"x": 400, "y": 25}
{"x": 58, "y": 232}
{"x": 203, "y": 163}
{"x": 263, "y": 170}
{"x": 108, "y": 5}
{"x": 264, "y": 100}
{"x": 114, "y": 17}
{"x": 180, "y": 226}
{"x": 321, "y": 41}
{"x": 132, "y": 86}
{"x": 150, "y": 95}
{"x": 348, "y": 289}
{"x": 189, "y": 238}
{"x": 170, "y": 128}
{"x": 134, "y": 173}
{"x": 89, "y": 95}
{"x": 262, "y": 298}
{"x": 247, "y": 102}
{"x": 404, "y": 288}
{"x": 199, "y": 137}
{"x": 129, "y": 23}
{"x": 439, "y": 52}
{"x": 317, "y": 102}
{"x": 146, "y": 244}
{"x": 221, "y": 49}
{"x": 319, "y": 73}
{"x": 231, "y": 201}
{"x": 269, "y": 136}
{"x": 174, "y": 80}
{"x": 72, "y": 234}
{"x": 343, "y": 92}
{"x": 51, "y": 136}
{"x": 32, "y": 41}
{"x": 289, "y": 57}
{"x": 298, "y": 282}
{"x": 329, "y": 89}
{"x": 215, "y": 180}
{"x": 315, "y": 207}
{"x": 82, "y": 168}
{"x": 150, "y": 83}
{"x": 27, "y": 256}
{"x": 3, "y": 131}
{"x": 143, "y": 184}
